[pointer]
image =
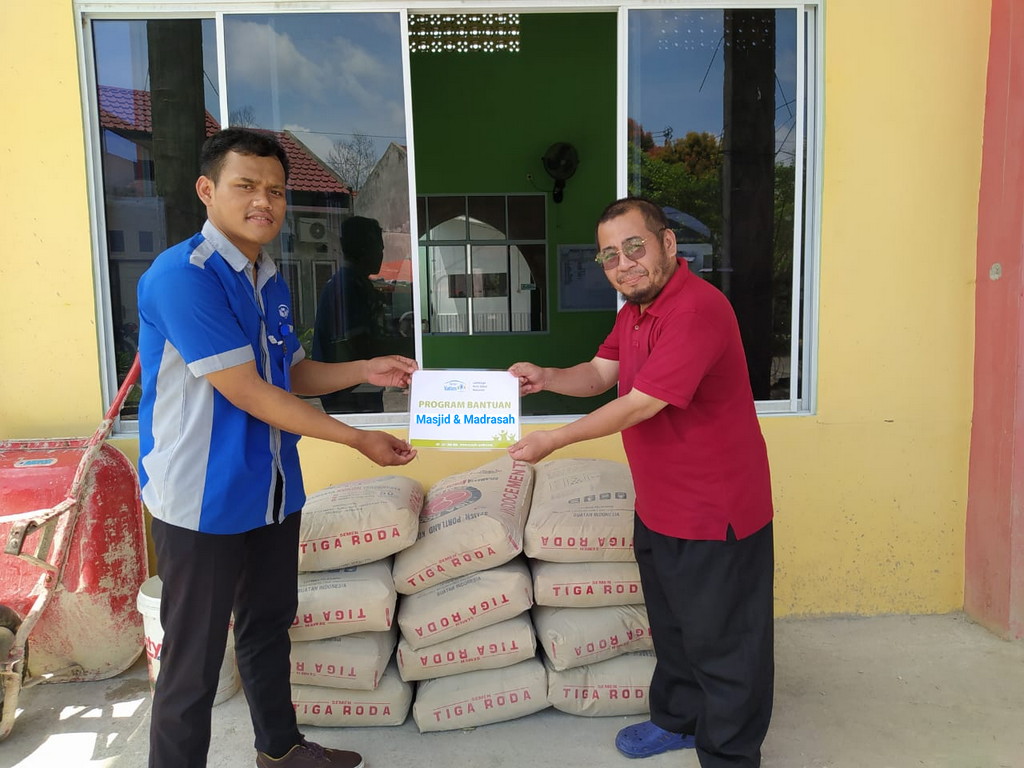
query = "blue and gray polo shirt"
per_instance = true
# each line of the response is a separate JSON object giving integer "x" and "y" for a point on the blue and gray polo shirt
{"x": 203, "y": 463}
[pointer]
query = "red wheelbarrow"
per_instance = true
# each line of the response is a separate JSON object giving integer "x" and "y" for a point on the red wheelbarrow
{"x": 73, "y": 559}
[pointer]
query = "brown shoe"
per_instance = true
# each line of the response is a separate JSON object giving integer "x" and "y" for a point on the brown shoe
{"x": 306, "y": 754}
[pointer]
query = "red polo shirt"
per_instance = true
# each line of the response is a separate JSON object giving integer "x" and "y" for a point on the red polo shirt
{"x": 699, "y": 465}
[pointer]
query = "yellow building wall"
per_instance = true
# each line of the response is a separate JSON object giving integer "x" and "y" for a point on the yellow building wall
{"x": 49, "y": 371}
{"x": 870, "y": 490}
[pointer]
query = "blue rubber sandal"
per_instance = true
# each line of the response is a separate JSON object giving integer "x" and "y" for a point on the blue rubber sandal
{"x": 646, "y": 739}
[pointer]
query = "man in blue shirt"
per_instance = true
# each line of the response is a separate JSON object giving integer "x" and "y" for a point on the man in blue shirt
{"x": 218, "y": 432}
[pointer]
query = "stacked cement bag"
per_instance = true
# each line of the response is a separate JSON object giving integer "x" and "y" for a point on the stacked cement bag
{"x": 618, "y": 686}
{"x": 589, "y": 616}
{"x": 344, "y": 634}
{"x": 470, "y": 521}
{"x": 466, "y": 595}
{"x": 358, "y": 522}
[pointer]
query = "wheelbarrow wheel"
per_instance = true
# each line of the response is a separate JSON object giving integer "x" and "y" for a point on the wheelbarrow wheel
{"x": 9, "y": 623}
{"x": 9, "y": 618}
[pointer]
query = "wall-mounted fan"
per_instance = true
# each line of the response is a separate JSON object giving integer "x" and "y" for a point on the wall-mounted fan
{"x": 560, "y": 161}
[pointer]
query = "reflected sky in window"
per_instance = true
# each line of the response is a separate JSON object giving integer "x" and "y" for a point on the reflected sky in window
{"x": 324, "y": 77}
{"x": 678, "y": 56}
{"x": 122, "y": 57}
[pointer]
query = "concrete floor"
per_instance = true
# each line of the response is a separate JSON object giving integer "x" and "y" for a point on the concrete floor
{"x": 889, "y": 692}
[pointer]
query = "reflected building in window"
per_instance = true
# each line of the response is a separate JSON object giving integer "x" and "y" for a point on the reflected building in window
{"x": 136, "y": 211}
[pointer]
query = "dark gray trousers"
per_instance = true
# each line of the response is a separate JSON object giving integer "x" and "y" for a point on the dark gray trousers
{"x": 710, "y": 604}
{"x": 206, "y": 576}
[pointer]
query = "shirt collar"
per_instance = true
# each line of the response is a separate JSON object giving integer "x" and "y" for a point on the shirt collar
{"x": 237, "y": 260}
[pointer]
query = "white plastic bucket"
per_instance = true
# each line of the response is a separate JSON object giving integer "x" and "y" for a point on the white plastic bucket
{"x": 149, "y": 606}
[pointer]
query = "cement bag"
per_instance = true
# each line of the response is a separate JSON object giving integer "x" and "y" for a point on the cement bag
{"x": 586, "y": 585}
{"x": 467, "y": 603}
{"x": 353, "y": 661}
{"x": 387, "y": 704}
{"x": 358, "y": 522}
{"x": 572, "y": 637}
{"x": 470, "y": 522}
{"x": 361, "y": 598}
{"x": 582, "y": 511}
{"x": 616, "y": 686}
{"x": 499, "y": 645}
{"x": 481, "y": 697}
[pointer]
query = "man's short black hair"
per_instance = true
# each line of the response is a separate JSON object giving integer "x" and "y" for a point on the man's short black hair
{"x": 362, "y": 243}
{"x": 654, "y": 216}
{"x": 360, "y": 233}
{"x": 244, "y": 141}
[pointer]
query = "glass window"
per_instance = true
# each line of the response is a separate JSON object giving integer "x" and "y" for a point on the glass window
{"x": 331, "y": 87}
{"x": 715, "y": 136}
{"x": 476, "y": 288}
{"x": 527, "y": 217}
{"x": 720, "y": 132}
{"x": 115, "y": 240}
{"x": 156, "y": 91}
{"x": 489, "y": 209}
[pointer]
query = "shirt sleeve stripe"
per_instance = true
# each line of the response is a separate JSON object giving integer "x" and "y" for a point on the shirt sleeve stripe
{"x": 219, "y": 362}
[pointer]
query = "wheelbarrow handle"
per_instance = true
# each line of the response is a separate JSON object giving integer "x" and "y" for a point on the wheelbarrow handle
{"x": 103, "y": 431}
{"x": 130, "y": 380}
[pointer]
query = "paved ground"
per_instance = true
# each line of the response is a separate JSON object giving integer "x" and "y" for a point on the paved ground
{"x": 889, "y": 692}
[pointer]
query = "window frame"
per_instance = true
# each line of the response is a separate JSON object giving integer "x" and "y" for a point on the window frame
{"x": 469, "y": 244}
{"x": 807, "y": 216}
{"x": 802, "y": 398}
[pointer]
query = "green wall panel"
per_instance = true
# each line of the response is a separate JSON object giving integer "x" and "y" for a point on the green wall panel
{"x": 482, "y": 121}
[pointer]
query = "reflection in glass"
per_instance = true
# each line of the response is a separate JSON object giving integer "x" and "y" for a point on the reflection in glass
{"x": 330, "y": 86}
{"x": 711, "y": 138}
{"x": 351, "y": 318}
{"x": 156, "y": 89}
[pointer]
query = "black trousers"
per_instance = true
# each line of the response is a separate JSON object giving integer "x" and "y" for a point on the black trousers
{"x": 710, "y": 604}
{"x": 206, "y": 576}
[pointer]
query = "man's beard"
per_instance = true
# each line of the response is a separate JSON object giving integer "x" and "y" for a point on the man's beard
{"x": 638, "y": 299}
{"x": 644, "y": 296}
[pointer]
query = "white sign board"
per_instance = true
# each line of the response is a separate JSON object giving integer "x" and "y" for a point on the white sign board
{"x": 464, "y": 409}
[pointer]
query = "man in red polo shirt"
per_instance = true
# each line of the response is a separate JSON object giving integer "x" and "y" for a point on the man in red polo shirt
{"x": 703, "y": 523}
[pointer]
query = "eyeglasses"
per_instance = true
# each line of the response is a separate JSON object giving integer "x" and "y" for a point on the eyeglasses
{"x": 633, "y": 248}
